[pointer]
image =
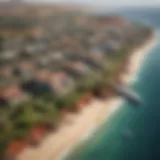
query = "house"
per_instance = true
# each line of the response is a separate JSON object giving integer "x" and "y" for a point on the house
{"x": 77, "y": 69}
{"x": 50, "y": 59}
{"x": 110, "y": 46}
{"x": 42, "y": 75}
{"x": 94, "y": 64}
{"x": 9, "y": 54}
{"x": 24, "y": 69}
{"x": 61, "y": 83}
{"x": 96, "y": 53}
{"x": 74, "y": 56}
{"x": 12, "y": 95}
{"x": 32, "y": 49}
{"x": 92, "y": 59}
{"x": 43, "y": 61}
{"x": 57, "y": 56}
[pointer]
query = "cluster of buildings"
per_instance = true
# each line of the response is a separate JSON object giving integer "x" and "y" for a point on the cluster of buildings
{"x": 52, "y": 52}
{"x": 72, "y": 47}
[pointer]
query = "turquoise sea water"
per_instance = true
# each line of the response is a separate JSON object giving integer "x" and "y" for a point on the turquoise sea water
{"x": 143, "y": 123}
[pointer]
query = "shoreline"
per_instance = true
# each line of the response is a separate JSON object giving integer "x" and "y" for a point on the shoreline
{"x": 57, "y": 145}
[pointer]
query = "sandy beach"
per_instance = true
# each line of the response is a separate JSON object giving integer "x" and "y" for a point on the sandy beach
{"x": 79, "y": 126}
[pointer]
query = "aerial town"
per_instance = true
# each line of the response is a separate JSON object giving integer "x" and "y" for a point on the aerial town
{"x": 55, "y": 65}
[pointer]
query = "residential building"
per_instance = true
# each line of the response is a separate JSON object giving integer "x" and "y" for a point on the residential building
{"x": 61, "y": 83}
{"x": 12, "y": 95}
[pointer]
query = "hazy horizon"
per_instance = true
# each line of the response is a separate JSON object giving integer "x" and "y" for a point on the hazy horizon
{"x": 116, "y": 3}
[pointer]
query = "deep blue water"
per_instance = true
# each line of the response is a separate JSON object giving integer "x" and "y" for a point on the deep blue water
{"x": 109, "y": 142}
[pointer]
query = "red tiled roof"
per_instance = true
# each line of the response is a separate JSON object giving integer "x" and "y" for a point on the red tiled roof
{"x": 11, "y": 92}
{"x": 43, "y": 75}
{"x": 56, "y": 79}
{"x": 37, "y": 133}
{"x": 57, "y": 76}
{"x": 15, "y": 147}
